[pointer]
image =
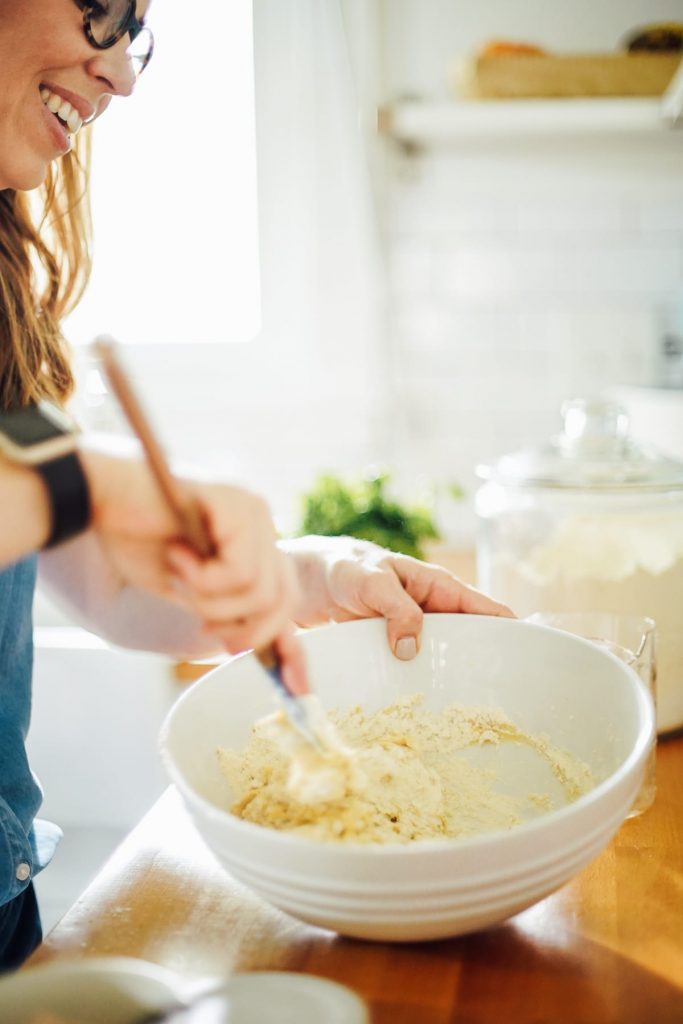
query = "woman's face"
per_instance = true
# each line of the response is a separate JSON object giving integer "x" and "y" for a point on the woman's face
{"x": 46, "y": 60}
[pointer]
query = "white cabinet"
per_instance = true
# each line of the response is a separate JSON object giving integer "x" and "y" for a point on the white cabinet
{"x": 95, "y": 722}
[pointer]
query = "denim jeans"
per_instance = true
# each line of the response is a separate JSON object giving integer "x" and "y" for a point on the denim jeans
{"x": 20, "y": 929}
{"x": 26, "y": 844}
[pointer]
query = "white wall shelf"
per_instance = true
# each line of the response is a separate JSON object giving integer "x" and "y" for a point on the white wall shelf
{"x": 427, "y": 123}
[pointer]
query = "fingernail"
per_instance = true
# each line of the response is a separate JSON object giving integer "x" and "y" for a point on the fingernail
{"x": 406, "y": 648}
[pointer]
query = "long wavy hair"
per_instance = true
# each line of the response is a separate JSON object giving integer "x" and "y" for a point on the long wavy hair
{"x": 45, "y": 261}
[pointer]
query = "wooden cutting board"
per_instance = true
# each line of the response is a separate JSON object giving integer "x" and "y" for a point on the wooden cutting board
{"x": 526, "y": 77}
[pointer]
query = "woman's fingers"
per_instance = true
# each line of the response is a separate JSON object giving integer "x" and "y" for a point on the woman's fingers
{"x": 401, "y": 589}
{"x": 241, "y": 610}
{"x": 382, "y": 593}
{"x": 237, "y": 565}
{"x": 243, "y": 635}
{"x": 223, "y": 591}
{"x": 436, "y": 589}
{"x": 293, "y": 662}
{"x": 259, "y": 634}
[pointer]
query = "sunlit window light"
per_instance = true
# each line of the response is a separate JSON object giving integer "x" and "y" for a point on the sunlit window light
{"x": 174, "y": 189}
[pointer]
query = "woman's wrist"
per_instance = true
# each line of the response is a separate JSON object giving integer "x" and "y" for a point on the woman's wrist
{"x": 123, "y": 495}
{"x": 26, "y": 511}
{"x": 314, "y": 559}
{"x": 98, "y": 469}
{"x": 313, "y": 608}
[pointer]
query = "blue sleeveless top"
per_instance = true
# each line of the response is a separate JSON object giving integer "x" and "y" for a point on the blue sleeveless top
{"x": 26, "y": 845}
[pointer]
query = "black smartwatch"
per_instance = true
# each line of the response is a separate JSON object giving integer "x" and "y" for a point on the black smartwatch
{"x": 43, "y": 437}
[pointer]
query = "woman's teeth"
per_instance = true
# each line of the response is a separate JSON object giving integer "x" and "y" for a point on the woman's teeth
{"x": 64, "y": 111}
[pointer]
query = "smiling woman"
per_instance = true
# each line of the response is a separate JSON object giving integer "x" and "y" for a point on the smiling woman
{"x": 127, "y": 570}
{"x": 33, "y": 54}
{"x": 45, "y": 46}
{"x": 59, "y": 66}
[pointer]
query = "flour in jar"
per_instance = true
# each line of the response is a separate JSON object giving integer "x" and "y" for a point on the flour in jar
{"x": 630, "y": 564}
{"x": 395, "y": 775}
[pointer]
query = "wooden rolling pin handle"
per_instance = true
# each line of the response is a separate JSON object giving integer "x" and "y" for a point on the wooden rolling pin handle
{"x": 195, "y": 528}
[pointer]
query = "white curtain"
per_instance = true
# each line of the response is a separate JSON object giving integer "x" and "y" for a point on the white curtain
{"x": 305, "y": 394}
{"x": 322, "y": 289}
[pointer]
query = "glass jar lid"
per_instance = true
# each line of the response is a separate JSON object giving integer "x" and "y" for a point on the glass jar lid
{"x": 594, "y": 450}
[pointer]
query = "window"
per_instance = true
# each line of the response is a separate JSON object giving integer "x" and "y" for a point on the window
{"x": 174, "y": 189}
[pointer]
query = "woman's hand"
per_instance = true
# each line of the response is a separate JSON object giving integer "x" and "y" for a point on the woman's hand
{"x": 245, "y": 595}
{"x": 342, "y": 578}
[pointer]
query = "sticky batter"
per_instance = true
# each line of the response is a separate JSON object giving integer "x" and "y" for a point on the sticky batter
{"x": 395, "y": 775}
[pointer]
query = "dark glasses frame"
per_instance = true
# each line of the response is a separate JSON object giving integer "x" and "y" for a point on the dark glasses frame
{"x": 130, "y": 25}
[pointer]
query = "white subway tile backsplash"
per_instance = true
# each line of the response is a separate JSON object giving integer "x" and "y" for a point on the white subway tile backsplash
{"x": 484, "y": 215}
{"x": 473, "y": 273}
{"x": 411, "y": 270}
{"x": 627, "y": 270}
{"x": 536, "y": 283}
{"x": 516, "y": 279}
{"x": 574, "y": 215}
{"x": 661, "y": 215}
{"x": 420, "y": 323}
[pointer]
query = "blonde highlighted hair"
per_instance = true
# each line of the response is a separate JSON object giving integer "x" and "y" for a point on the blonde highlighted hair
{"x": 45, "y": 260}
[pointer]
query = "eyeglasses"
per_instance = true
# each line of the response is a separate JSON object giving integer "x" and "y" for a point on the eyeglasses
{"x": 107, "y": 22}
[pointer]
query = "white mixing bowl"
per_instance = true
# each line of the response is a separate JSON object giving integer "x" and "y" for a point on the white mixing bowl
{"x": 583, "y": 698}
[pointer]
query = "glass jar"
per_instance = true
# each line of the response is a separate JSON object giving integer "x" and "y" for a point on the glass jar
{"x": 590, "y": 522}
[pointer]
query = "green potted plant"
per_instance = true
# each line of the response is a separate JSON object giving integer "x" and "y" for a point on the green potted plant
{"x": 334, "y": 507}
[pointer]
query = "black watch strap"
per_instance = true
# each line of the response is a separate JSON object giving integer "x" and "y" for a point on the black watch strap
{"x": 69, "y": 496}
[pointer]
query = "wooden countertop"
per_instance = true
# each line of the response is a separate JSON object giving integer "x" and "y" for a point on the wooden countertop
{"x": 607, "y": 948}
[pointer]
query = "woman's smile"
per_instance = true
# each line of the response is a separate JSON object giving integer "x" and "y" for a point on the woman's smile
{"x": 66, "y": 109}
{"x": 54, "y": 80}
{"x": 58, "y": 132}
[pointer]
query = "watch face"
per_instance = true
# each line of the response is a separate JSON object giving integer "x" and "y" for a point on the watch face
{"x": 34, "y": 424}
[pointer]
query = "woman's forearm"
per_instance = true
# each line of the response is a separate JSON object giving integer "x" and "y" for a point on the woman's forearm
{"x": 24, "y": 512}
{"x": 82, "y": 581}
